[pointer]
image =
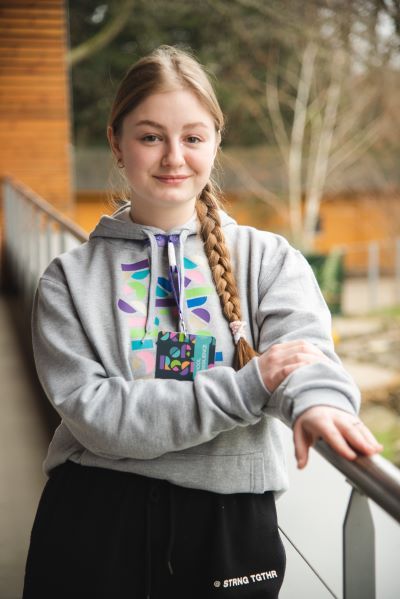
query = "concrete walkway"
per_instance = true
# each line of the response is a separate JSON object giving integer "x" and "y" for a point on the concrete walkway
{"x": 23, "y": 443}
{"x": 370, "y": 352}
{"x": 359, "y": 297}
{"x": 311, "y": 513}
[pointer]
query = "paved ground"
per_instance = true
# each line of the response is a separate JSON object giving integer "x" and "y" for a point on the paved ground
{"x": 359, "y": 297}
{"x": 312, "y": 513}
{"x": 23, "y": 443}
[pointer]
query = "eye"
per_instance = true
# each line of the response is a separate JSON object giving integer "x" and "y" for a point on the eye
{"x": 151, "y": 138}
{"x": 192, "y": 139}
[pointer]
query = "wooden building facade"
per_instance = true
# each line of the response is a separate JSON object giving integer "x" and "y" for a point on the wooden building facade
{"x": 35, "y": 122}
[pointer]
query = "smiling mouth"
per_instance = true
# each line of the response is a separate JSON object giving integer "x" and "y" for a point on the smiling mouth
{"x": 172, "y": 178}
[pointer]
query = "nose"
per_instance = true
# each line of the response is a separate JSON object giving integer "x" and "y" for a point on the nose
{"x": 174, "y": 154}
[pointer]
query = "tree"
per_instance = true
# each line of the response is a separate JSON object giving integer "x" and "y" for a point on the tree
{"x": 323, "y": 100}
{"x": 317, "y": 82}
{"x": 105, "y": 36}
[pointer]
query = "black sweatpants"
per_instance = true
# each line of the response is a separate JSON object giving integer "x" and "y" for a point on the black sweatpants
{"x": 101, "y": 533}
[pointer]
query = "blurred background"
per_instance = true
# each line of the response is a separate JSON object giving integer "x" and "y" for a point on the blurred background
{"x": 311, "y": 94}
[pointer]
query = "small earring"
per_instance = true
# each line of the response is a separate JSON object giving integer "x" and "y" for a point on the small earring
{"x": 120, "y": 164}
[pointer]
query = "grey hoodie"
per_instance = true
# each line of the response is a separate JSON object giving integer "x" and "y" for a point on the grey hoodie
{"x": 96, "y": 314}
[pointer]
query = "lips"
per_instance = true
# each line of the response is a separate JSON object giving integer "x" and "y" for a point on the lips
{"x": 172, "y": 178}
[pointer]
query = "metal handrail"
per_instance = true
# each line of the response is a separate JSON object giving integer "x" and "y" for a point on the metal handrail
{"x": 35, "y": 233}
{"x": 374, "y": 476}
{"x": 45, "y": 207}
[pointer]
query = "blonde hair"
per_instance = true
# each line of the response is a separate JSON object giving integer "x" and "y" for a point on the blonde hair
{"x": 167, "y": 69}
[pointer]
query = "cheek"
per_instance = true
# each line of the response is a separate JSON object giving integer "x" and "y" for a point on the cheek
{"x": 138, "y": 156}
{"x": 203, "y": 162}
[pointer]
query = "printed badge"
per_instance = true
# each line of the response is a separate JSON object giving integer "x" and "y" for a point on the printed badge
{"x": 181, "y": 355}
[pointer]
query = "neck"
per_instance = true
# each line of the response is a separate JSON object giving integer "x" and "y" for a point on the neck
{"x": 164, "y": 219}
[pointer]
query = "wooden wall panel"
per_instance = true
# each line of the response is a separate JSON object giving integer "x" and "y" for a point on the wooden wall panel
{"x": 357, "y": 220}
{"x": 35, "y": 138}
{"x": 351, "y": 221}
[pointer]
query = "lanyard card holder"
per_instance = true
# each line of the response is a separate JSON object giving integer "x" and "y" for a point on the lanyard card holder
{"x": 181, "y": 355}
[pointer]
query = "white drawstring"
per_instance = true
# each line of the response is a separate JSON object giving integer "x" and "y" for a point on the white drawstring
{"x": 181, "y": 283}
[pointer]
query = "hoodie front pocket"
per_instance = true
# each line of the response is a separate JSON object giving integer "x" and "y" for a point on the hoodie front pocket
{"x": 219, "y": 473}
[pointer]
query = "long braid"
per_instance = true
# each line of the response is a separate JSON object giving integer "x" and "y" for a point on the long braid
{"x": 220, "y": 264}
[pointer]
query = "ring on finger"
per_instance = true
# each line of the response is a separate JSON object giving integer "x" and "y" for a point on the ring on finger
{"x": 357, "y": 423}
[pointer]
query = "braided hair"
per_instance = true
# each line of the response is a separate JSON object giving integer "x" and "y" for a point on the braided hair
{"x": 219, "y": 260}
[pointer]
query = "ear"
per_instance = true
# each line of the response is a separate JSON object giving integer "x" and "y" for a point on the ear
{"x": 217, "y": 143}
{"x": 114, "y": 143}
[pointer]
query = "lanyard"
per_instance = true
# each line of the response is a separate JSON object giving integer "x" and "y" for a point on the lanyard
{"x": 175, "y": 278}
{"x": 174, "y": 274}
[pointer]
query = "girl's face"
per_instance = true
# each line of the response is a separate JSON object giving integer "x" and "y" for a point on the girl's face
{"x": 168, "y": 145}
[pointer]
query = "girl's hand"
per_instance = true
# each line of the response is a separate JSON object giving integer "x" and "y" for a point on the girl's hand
{"x": 282, "y": 358}
{"x": 344, "y": 432}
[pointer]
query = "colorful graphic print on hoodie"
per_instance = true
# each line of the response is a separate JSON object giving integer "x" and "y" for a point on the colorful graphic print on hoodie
{"x": 135, "y": 305}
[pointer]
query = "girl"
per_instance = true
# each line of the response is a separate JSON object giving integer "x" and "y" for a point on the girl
{"x": 170, "y": 343}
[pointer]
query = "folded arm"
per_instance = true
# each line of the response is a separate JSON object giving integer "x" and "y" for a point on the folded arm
{"x": 142, "y": 418}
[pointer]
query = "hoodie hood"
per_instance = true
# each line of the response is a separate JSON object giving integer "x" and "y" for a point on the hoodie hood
{"x": 120, "y": 226}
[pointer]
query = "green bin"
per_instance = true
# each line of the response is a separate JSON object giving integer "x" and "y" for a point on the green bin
{"x": 329, "y": 272}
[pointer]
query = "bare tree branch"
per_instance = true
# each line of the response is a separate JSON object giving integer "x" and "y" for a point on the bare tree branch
{"x": 103, "y": 37}
{"x": 253, "y": 186}
{"x": 278, "y": 126}
{"x": 297, "y": 137}
{"x": 355, "y": 147}
{"x": 318, "y": 178}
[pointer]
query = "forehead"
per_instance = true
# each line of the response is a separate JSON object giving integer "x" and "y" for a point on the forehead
{"x": 173, "y": 109}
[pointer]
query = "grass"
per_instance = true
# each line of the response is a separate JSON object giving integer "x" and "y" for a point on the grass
{"x": 390, "y": 441}
{"x": 392, "y": 312}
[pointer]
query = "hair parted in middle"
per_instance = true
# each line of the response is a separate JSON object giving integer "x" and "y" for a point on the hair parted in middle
{"x": 168, "y": 68}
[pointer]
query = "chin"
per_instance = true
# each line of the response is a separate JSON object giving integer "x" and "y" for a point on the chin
{"x": 174, "y": 199}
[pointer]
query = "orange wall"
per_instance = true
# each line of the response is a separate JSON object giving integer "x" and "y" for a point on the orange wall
{"x": 34, "y": 97}
{"x": 89, "y": 206}
{"x": 356, "y": 220}
{"x": 349, "y": 220}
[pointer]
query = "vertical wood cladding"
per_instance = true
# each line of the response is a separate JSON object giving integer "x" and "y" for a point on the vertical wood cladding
{"x": 35, "y": 142}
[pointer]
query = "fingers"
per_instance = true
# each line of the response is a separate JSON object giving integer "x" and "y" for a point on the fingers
{"x": 359, "y": 437}
{"x": 334, "y": 437}
{"x": 302, "y": 443}
{"x": 344, "y": 432}
{"x": 283, "y": 358}
{"x": 300, "y": 344}
{"x": 290, "y": 348}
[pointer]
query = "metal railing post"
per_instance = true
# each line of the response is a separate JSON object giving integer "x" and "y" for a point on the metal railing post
{"x": 62, "y": 242}
{"x": 37, "y": 249}
{"x": 30, "y": 254}
{"x": 358, "y": 549}
{"x": 49, "y": 240}
{"x": 397, "y": 269}
{"x": 35, "y": 234}
{"x": 19, "y": 239}
{"x": 373, "y": 273}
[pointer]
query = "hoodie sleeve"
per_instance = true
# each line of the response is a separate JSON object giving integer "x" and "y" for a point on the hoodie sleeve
{"x": 291, "y": 308}
{"x": 145, "y": 418}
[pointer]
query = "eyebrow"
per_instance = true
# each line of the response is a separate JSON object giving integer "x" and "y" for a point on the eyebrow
{"x": 158, "y": 126}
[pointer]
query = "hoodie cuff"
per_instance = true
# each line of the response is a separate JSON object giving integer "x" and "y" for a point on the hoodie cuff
{"x": 319, "y": 397}
{"x": 257, "y": 364}
{"x": 255, "y": 394}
